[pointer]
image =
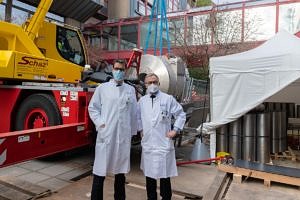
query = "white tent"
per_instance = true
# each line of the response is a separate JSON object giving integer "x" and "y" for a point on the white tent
{"x": 242, "y": 81}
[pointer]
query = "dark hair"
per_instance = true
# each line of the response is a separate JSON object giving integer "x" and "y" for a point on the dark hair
{"x": 121, "y": 61}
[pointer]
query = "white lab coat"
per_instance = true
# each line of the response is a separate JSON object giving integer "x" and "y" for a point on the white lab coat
{"x": 116, "y": 108}
{"x": 158, "y": 152}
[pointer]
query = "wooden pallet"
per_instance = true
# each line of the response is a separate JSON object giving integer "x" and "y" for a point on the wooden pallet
{"x": 239, "y": 173}
{"x": 289, "y": 154}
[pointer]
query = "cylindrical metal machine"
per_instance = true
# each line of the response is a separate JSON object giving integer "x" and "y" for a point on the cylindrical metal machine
{"x": 263, "y": 137}
{"x": 276, "y": 118}
{"x": 222, "y": 139}
{"x": 249, "y": 143}
{"x": 171, "y": 72}
{"x": 235, "y": 134}
{"x": 283, "y": 132}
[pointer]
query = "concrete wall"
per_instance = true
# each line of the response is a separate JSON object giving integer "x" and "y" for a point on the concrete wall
{"x": 72, "y": 22}
{"x": 118, "y": 9}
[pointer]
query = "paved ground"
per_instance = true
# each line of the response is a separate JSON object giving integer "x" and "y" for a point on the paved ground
{"x": 53, "y": 173}
{"x": 60, "y": 176}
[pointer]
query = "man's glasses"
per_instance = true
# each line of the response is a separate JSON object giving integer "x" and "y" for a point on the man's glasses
{"x": 151, "y": 82}
{"x": 121, "y": 69}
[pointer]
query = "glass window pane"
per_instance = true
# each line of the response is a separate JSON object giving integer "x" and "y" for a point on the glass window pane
{"x": 18, "y": 16}
{"x": 176, "y": 31}
{"x": 111, "y": 35}
{"x": 289, "y": 17}
{"x": 129, "y": 34}
{"x": 228, "y": 27}
{"x": 2, "y": 11}
{"x": 260, "y": 23}
{"x": 198, "y": 30}
{"x": 69, "y": 45}
{"x": 144, "y": 35}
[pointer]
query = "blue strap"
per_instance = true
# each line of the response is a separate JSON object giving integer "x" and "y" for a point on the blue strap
{"x": 167, "y": 27}
{"x": 149, "y": 27}
{"x": 164, "y": 21}
{"x": 156, "y": 24}
{"x": 161, "y": 27}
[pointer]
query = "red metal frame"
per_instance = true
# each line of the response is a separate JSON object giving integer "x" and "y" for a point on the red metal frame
{"x": 199, "y": 161}
{"x": 8, "y": 101}
{"x": 135, "y": 60}
{"x": 19, "y": 146}
{"x": 24, "y": 145}
{"x": 185, "y": 14}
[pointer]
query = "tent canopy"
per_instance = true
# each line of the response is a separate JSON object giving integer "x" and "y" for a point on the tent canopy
{"x": 242, "y": 81}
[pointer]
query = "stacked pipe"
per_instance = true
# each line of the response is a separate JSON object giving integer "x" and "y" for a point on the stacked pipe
{"x": 276, "y": 118}
{"x": 298, "y": 111}
{"x": 263, "y": 137}
{"x": 235, "y": 139}
{"x": 258, "y": 133}
{"x": 249, "y": 134}
{"x": 222, "y": 139}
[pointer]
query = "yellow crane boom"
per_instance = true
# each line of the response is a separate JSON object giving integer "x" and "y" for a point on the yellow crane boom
{"x": 38, "y": 18}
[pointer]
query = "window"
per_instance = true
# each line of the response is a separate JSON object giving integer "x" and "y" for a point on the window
{"x": 129, "y": 34}
{"x": 198, "y": 30}
{"x": 289, "y": 17}
{"x": 144, "y": 35}
{"x": 260, "y": 23}
{"x": 228, "y": 27}
{"x": 2, "y": 11}
{"x": 69, "y": 45}
{"x": 18, "y": 16}
{"x": 176, "y": 31}
{"x": 110, "y": 34}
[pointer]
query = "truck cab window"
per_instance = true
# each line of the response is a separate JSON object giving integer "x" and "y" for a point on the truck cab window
{"x": 69, "y": 46}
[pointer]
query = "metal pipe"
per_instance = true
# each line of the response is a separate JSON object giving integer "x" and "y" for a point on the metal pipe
{"x": 277, "y": 107}
{"x": 222, "y": 139}
{"x": 263, "y": 137}
{"x": 291, "y": 110}
{"x": 249, "y": 132}
{"x": 275, "y": 132}
{"x": 270, "y": 106}
{"x": 283, "y": 132}
{"x": 235, "y": 133}
{"x": 198, "y": 161}
{"x": 298, "y": 111}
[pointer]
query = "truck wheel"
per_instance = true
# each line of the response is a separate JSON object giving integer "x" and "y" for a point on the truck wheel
{"x": 37, "y": 111}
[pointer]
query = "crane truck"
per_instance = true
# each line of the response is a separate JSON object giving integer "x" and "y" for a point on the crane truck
{"x": 43, "y": 105}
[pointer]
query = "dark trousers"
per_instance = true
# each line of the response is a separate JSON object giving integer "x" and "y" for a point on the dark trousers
{"x": 119, "y": 186}
{"x": 165, "y": 188}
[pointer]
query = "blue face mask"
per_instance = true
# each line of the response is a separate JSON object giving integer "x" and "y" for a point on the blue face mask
{"x": 118, "y": 75}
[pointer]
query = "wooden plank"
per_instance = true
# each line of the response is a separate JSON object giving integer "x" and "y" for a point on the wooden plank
{"x": 284, "y": 154}
{"x": 273, "y": 169}
{"x": 267, "y": 183}
{"x": 294, "y": 157}
{"x": 260, "y": 175}
{"x": 216, "y": 187}
{"x": 237, "y": 178}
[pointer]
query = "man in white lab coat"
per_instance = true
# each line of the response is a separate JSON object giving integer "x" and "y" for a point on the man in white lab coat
{"x": 113, "y": 111}
{"x": 155, "y": 111}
